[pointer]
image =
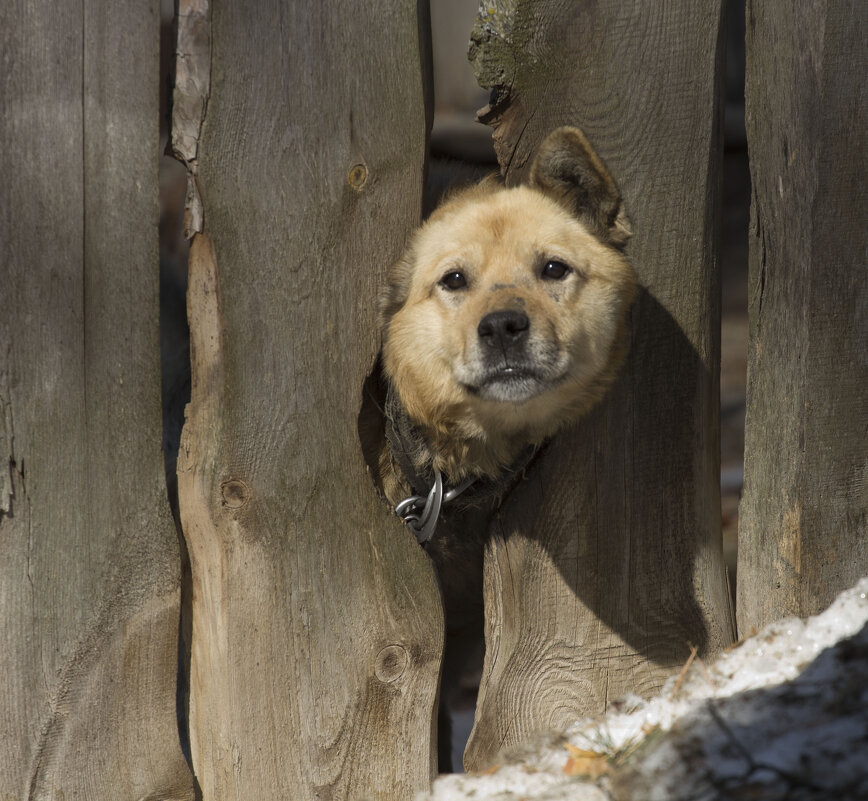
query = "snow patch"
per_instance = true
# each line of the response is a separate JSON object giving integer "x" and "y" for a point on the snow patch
{"x": 783, "y": 715}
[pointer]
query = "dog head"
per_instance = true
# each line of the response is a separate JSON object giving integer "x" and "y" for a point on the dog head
{"x": 505, "y": 319}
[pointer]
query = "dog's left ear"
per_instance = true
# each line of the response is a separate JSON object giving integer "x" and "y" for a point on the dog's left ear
{"x": 567, "y": 169}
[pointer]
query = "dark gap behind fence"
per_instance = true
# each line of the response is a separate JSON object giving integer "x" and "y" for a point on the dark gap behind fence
{"x": 174, "y": 344}
{"x": 734, "y": 281}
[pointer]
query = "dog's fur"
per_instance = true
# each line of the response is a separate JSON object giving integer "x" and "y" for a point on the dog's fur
{"x": 490, "y": 346}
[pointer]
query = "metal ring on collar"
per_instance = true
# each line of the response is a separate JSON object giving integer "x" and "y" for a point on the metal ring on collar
{"x": 421, "y": 514}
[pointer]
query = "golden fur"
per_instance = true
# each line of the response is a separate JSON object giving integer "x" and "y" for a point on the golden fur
{"x": 480, "y": 400}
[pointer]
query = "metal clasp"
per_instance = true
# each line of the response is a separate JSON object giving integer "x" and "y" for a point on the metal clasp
{"x": 421, "y": 512}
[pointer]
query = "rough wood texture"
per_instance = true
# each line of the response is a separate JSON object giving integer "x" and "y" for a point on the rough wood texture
{"x": 804, "y": 516}
{"x": 606, "y": 564}
{"x": 89, "y": 565}
{"x": 317, "y": 627}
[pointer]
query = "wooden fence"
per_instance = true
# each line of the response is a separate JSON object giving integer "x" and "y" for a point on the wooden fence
{"x": 316, "y": 624}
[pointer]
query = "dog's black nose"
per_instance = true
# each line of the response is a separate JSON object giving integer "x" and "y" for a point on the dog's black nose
{"x": 503, "y": 328}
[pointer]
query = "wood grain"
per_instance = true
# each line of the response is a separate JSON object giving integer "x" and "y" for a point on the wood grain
{"x": 606, "y": 564}
{"x": 89, "y": 562}
{"x": 804, "y": 516}
{"x": 317, "y": 625}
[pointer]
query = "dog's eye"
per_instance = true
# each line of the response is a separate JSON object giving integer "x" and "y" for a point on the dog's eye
{"x": 453, "y": 280}
{"x": 555, "y": 270}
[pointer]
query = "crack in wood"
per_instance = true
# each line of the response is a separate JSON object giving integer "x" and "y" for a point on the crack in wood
{"x": 7, "y": 437}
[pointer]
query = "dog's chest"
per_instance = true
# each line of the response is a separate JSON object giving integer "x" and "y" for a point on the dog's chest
{"x": 457, "y": 550}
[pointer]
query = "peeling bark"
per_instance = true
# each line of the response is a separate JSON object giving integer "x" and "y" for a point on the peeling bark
{"x": 209, "y": 669}
{"x": 190, "y": 99}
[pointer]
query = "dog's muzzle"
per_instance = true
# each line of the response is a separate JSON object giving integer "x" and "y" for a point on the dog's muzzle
{"x": 510, "y": 365}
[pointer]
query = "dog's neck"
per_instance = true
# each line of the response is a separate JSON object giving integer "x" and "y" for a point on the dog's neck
{"x": 416, "y": 451}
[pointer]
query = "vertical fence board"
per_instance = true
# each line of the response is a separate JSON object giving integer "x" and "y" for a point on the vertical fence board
{"x": 606, "y": 564}
{"x": 317, "y": 627}
{"x": 804, "y": 516}
{"x": 89, "y": 565}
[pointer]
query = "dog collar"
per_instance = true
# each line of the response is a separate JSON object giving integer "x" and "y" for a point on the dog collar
{"x": 421, "y": 512}
{"x": 410, "y": 451}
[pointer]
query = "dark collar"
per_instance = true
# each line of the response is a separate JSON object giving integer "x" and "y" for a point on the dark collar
{"x": 429, "y": 490}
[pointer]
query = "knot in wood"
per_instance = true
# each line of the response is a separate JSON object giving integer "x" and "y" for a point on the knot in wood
{"x": 357, "y": 177}
{"x": 234, "y": 493}
{"x": 391, "y": 663}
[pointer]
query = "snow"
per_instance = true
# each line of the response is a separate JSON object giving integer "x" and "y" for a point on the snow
{"x": 784, "y": 715}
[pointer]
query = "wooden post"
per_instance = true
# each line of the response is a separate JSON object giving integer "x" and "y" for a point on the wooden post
{"x": 317, "y": 624}
{"x": 89, "y": 563}
{"x": 606, "y": 564}
{"x": 804, "y": 516}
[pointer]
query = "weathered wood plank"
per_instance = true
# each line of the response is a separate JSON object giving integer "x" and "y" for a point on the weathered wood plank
{"x": 606, "y": 564}
{"x": 89, "y": 564}
{"x": 317, "y": 627}
{"x": 804, "y": 516}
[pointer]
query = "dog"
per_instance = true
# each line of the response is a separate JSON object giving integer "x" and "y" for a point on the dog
{"x": 504, "y": 321}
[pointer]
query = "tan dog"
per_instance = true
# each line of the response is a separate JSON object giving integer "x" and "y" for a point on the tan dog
{"x": 506, "y": 318}
{"x": 504, "y": 321}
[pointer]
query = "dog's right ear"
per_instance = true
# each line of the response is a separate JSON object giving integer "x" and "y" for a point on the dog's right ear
{"x": 568, "y": 170}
